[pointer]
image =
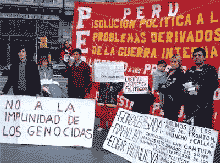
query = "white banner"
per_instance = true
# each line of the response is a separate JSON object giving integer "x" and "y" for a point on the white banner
{"x": 109, "y": 72}
{"x": 46, "y": 121}
{"x": 147, "y": 138}
{"x": 136, "y": 85}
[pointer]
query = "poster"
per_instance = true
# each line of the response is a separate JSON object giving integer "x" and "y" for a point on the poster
{"x": 142, "y": 33}
{"x": 46, "y": 121}
{"x": 109, "y": 72}
{"x": 147, "y": 138}
{"x": 136, "y": 85}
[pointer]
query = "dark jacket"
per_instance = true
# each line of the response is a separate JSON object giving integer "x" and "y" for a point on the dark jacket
{"x": 32, "y": 77}
{"x": 173, "y": 86}
{"x": 78, "y": 76}
{"x": 173, "y": 91}
{"x": 207, "y": 79}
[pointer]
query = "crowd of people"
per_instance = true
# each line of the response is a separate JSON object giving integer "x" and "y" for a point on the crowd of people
{"x": 28, "y": 78}
{"x": 192, "y": 90}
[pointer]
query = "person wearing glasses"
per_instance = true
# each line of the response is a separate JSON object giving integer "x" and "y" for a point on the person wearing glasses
{"x": 24, "y": 76}
{"x": 201, "y": 82}
{"x": 79, "y": 76}
{"x": 173, "y": 89}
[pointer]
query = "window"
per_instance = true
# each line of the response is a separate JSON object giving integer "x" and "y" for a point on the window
{"x": 43, "y": 42}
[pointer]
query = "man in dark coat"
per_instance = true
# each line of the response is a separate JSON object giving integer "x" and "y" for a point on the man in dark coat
{"x": 199, "y": 101}
{"x": 24, "y": 75}
{"x": 78, "y": 74}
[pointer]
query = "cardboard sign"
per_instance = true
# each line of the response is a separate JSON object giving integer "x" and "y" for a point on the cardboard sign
{"x": 46, "y": 121}
{"x": 147, "y": 138}
{"x": 109, "y": 71}
{"x": 136, "y": 85}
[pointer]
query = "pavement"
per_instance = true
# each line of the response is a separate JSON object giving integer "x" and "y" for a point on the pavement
{"x": 17, "y": 153}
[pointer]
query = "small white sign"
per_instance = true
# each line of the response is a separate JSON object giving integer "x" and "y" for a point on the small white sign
{"x": 109, "y": 71}
{"x": 136, "y": 85}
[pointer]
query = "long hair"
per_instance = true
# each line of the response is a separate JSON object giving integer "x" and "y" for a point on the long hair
{"x": 16, "y": 48}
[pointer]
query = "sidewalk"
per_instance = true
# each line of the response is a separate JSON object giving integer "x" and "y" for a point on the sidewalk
{"x": 11, "y": 153}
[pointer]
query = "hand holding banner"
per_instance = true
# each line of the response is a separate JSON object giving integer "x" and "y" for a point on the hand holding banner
{"x": 146, "y": 138}
{"x": 47, "y": 121}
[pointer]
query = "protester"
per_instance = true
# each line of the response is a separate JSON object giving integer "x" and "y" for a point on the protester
{"x": 173, "y": 89}
{"x": 201, "y": 82}
{"x": 46, "y": 70}
{"x": 159, "y": 79}
{"x": 66, "y": 52}
{"x": 108, "y": 92}
{"x": 24, "y": 75}
{"x": 79, "y": 76}
{"x": 50, "y": 88}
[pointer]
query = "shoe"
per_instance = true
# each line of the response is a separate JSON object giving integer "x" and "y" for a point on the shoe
{"x": 99, "y": 129}
{"x": 100, "y": 104}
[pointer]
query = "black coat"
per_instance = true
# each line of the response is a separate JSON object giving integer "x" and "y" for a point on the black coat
{"x": 79, "y": 79}
{"x": 173, "y": 91}
{"x": 207, "y": 79}
{"x": 174, "y": 84}
{"x": 32, "y": 77}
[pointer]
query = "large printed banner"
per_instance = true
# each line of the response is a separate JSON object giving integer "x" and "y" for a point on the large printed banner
{"x": 141, "y": 33}
{"x": 46, "y": 121}
{"x": 147, "y": 138}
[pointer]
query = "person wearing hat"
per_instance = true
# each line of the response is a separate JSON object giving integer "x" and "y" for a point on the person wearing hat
{"x": 79, "y": 76}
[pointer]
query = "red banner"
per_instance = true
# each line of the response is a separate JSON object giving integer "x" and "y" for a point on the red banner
{"x": 141, "y": 33}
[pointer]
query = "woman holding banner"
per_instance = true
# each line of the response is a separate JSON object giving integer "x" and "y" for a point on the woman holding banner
{"x": 173, "y": 89}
